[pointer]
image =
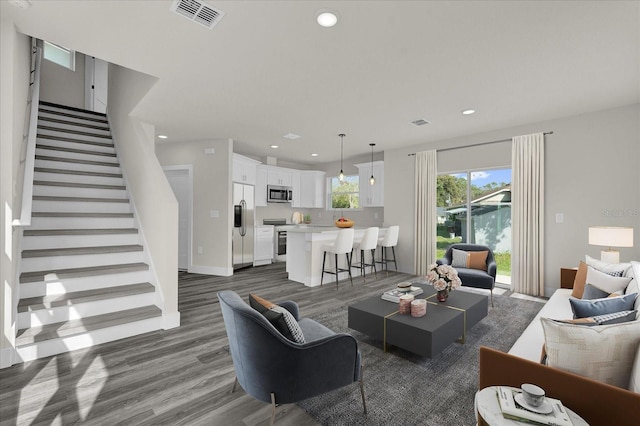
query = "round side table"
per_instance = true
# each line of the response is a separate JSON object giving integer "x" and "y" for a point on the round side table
{"x": 488, "y": 408}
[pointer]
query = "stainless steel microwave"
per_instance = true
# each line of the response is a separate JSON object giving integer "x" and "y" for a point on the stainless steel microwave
{"x": 278, "y": 194}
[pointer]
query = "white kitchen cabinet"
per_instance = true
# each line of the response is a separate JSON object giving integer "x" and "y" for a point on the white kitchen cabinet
{"x": 296, "y": 192}
{"x": 279, "y": 176}
{"x": 261, "y": 186}
{"x": 371, "y": 195}
{"x": 312, "y": 193}
{"x": 244, "y": 169}
{"x": 263, "y": 252}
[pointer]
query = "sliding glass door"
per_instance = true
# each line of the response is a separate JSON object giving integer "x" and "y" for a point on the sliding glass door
{"x": 475, "y": 207}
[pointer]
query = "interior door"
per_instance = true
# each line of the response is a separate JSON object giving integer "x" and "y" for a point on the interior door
{"x": 96, "y": 73}
{"x": 180, "y": 182}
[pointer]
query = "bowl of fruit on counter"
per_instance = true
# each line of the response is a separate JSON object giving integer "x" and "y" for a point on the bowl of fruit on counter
{"x": 343, "y": 222}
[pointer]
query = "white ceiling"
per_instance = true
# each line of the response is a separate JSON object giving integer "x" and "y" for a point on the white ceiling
{"x": 268, "y": 69}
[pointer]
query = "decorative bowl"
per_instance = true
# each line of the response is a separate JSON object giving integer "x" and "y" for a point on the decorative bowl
{"x": 404, "y": 286}
{"x": 346, "y": 224}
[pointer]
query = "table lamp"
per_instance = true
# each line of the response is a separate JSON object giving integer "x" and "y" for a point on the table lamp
{"x": 610, "y": 236}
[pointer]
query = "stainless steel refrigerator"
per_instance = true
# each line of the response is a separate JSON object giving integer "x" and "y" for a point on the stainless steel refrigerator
{"x": 243, "y": 225}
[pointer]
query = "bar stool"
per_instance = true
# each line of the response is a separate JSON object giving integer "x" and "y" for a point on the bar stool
{"x": 369, "y": 241}
{"x": 343, "y": 244}
{"x": 390, "y": 239}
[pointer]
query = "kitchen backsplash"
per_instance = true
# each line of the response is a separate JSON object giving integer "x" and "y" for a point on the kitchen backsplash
{"x": 369, "y": 216}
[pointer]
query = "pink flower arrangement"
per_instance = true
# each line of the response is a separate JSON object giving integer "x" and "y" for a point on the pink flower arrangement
{"x": 443, "y": 277}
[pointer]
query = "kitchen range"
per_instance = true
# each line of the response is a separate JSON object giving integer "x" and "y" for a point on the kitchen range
{"x": 280, "y": 237}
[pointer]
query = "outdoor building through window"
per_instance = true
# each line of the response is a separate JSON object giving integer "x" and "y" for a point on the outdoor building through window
{"x": 475, "y": 207}
{"x": 345, "y": 195}
{"x": 60, "y": 55}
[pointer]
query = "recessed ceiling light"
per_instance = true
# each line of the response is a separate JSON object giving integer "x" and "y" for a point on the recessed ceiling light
{"x": 314, "y": 155}
{"x": 291, "y": 136}
{"x": 274, "y": 146}
{"x": 327, "y": 18}
{"x": 468, "y": 111}
{"x": 162, "y": 136}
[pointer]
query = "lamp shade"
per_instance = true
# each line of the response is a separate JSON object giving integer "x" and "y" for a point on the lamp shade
{"x": 610, "y": 236}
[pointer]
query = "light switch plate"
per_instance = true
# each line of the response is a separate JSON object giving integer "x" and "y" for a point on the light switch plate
{"x": 559, "y": 217}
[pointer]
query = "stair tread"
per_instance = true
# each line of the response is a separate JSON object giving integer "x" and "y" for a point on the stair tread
{"x": 86, "y": 111}
{"x": 74, "y": 123}
{"x": 73, "y": 140}
{"x": 56, "y": 300}
{"x": 78, "y": 185}
{"x": 97, "y": 119}
{"x": 82, "y": 214}
{"x": 76, "y": 172}
{"x": 79, "y": 199}
{"x": 35, "y": 276}
{"x": 73, "y": 132}
{"x": 77, "y": 161}
{"x": 69, "y": 232}
{"x": 74, "y": 251}
{"x": 80, "y": 326}
{"x": 75, "y": 150}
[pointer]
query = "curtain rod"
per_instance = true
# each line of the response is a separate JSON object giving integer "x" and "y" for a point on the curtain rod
{"x": 477, "y": 144}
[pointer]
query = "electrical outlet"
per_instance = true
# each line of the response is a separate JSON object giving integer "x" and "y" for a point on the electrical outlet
{"x": 375, "y": 215}
{"x": 200, "y": 250}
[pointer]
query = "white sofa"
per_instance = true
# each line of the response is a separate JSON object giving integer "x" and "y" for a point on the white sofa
{"x": 530, "y": 343}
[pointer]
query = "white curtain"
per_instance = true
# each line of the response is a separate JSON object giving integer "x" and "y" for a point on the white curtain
{"x": 527, "y": 214}
{"x": 425, "y": 209}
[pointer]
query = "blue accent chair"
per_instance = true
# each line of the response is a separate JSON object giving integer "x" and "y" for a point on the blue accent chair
{"x": 276, "y": 370}
{"x": 473, "y": 277}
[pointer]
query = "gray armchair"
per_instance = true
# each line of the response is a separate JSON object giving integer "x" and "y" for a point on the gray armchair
{"x": 473, "y": 277}
{"x": 276, "y": 370}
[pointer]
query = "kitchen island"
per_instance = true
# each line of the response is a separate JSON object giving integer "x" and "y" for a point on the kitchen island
{"x": 304, "y": 254}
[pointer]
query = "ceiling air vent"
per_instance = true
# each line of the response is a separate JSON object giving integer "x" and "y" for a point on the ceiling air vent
{"x": 197, "y": 11}
{"x": 419, "y": 122}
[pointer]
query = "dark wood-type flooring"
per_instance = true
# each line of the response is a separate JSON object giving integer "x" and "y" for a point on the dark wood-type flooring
{"x": 169, "y": 377}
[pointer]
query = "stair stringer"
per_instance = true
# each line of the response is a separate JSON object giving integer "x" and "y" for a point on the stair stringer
{"x": 169, "y": 319}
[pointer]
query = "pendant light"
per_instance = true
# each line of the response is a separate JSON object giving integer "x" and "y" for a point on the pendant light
{"x": 372, "y": 180}
{"x": 341, "y": 175}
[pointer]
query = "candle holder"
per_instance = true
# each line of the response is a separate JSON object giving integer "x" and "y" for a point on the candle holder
{"x": 418, "y": 308}
{"x": 405, "y": 304}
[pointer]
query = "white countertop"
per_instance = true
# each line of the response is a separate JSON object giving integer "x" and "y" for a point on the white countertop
{"x": 315, "y": 228}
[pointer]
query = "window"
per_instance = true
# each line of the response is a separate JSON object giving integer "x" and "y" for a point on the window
{"x": 475, "y": 207}
{"x": 60, "y": 55}
{"x": 345, "y": 195}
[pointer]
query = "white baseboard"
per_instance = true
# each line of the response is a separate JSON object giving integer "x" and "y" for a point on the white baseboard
{"x": 171, "y": 320}
{"x": 211, "y": 270}
{"x": 7, "y": 357}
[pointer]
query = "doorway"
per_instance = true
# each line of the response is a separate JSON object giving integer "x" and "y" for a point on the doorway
{"x": 474, "y": 206}
{"x": 96, "y": 79}
{"x": 181, "y": 180}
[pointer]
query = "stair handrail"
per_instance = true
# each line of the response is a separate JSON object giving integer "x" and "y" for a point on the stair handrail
{"x": 32, "y": 133}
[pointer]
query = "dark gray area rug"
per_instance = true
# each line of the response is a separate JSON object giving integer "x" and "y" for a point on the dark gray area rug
{"x": 405, "y": 389}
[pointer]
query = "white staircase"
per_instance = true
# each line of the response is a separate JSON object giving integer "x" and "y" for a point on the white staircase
{"x": 84, "y": 276}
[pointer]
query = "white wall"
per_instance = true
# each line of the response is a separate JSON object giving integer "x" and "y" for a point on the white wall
{"x": 211, "y": 191}
{"x": 591, "y": 176}
{"x": 62, "y": 86}
{"x": 14, "y": 85}
{"x": 156, "y": 206}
